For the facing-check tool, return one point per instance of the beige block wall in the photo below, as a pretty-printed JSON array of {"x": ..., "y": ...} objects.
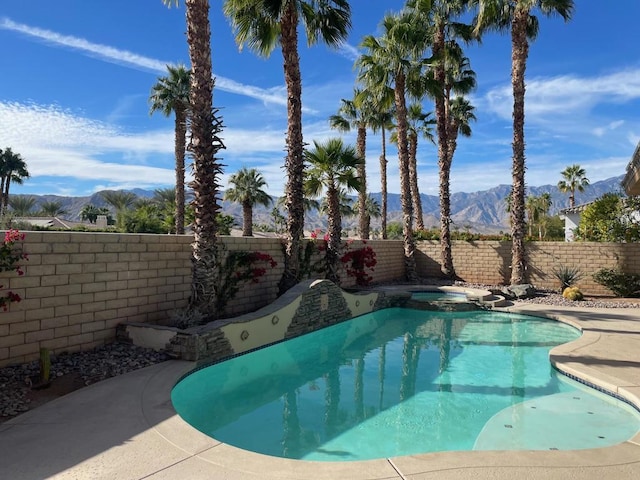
[
  {"x": 489, "y": 262},
  {"x": 79, "y": 285}
]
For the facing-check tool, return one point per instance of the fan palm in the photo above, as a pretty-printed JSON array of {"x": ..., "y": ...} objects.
[
  {"x": 171, "y": 95},
  {"x": 357, "y": 113},
  {"x": 573, "y": 178},
  {"x": 13, "y": 168},
  {"x": 22, "y": 205},
  {"x": 387, "y": 62},
  {"x": 418, "y": 122},
  {"x": 382, "y": 120},
  {"x": 52, "y": 209},
  {"x": 516, "y": 16},
  {"x": 447, "y": 74},
  {"x": 263, "y": 24},
  {"x": 204, "y": 146},
  {"x": 121, "y": 201},
  {"x": 248, "y": 191},
  {"x": 332, "y": 166}
]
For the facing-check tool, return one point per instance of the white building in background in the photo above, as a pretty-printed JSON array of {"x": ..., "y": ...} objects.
[{"x": 571, "y": 217}]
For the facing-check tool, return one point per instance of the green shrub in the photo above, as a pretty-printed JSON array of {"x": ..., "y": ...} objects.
[
  {"x": 620, "y": 283},
  {"x": 568, "y": 276},
  {"x": 573, "y": 294}
]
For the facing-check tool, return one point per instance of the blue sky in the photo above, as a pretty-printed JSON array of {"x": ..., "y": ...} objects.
[{"x": 76, "y": 77}]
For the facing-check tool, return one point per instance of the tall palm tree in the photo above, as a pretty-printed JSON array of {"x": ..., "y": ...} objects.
[
  {"x": 263, "y": 24},
  {"x": 22, "y": 205},
  {"x": 171, "y": 95},
  {"x": 52, "y": 209},
  {"x": 204, "y": 146},
  {"x": 332, "y": 166},
  {"x": 356, "y": 113},
  {"x": 382, "y": 121},
  {"x": 573, "y": 178},
  {"x": 248, "y": 191},
  {"x": 516, "y": 16},
  {"x": 387, "y": 62},
  {"x": 444, "y": 76},
  {"x": 418, "y": 122},
  {"x": 13, "y": 168}
]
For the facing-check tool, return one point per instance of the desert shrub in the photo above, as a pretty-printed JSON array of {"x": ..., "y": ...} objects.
[
  {"x": 620, "y": 283},
  {"x": 573, "y": 294},
  {"x": 567, "y": 276}
]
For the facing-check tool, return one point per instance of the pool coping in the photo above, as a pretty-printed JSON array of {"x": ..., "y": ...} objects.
[{"x": 164, "y": 446}]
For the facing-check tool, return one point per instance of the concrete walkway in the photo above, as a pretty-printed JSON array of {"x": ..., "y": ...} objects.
[{"x": 126, "y": 428}]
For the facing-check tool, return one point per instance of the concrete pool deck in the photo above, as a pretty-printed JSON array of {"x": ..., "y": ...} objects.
[{"x": 126, "y": 428}]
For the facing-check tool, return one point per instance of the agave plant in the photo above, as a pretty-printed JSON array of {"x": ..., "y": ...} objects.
[{"x": 568, "y": 276}]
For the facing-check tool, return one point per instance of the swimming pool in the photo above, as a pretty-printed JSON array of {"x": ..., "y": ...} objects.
[{"x": 400, "y": 382}]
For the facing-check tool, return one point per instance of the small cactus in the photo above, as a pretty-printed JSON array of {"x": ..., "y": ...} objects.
[
  {"x": 572, "y": 293},
  {"x": 45, "y": 365}
]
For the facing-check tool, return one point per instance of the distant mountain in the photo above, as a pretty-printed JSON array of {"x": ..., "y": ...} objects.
[{"x": 483, "y": 212}]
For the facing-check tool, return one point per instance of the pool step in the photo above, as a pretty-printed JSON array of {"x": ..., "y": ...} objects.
[{"x": 493, "y": 301}]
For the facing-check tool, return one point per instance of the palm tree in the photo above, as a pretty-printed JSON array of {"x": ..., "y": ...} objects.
[
  {"x": 248, "y": 191},
  {"x": 371, "y": 206},
  {"x": 121, "y": 201},
  {"x": 387, "y": 63},
  {"x": 444, "y": 76},
  {"x": 90, "y": 212},
  {"x": 537, "y": 208},
  {"x": 332, "y": 166},
  {"x": 22, "y": 205},
  {"x": 382, "y": 120},
  {"x": 13, "y": 168},
  {"x": 171, "y": 94},
  {"x": 204, "y": 146},
  {"x": 52, "y": 209},
  {"x": 417, "y": 122},
  {"x": 515, "y": 15},
  {"x": 573, "y": 178},
  {"x": 345, "y": 204},
  {"x": 263, "y": 24},
  {"x": 357, "y": 113}
]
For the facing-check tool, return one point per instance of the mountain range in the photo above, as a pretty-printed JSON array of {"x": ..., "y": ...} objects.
[{"x": 483, "y": 212}]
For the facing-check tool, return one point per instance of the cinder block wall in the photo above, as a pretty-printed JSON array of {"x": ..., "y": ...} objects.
[
  {"x": 78, "y": 286},
  {"x": 489, "y": 262}
]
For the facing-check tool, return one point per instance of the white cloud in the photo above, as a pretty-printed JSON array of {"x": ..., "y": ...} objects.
[
  {"x": 58, "y": 143},
  {"x": 567, "y": 95},
  {"x": 131, "y": 59}
]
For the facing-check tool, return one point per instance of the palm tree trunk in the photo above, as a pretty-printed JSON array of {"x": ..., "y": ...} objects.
[
  {"x": 361, "y": 146},
  {"x": 519, "y": 54},
  {"x": 335, "y": 232},
  {"x": 247, "y": 219},
  {"x": 204, "y": 146},
  {"x": 405, "y": 186},
  {"x": 294, "y": 161},
  {"x": 444, "y": 166},
  {"x": 412, "y": 140},
  {"x": 180, "y": 142},
  {"x": 383, "y": 187}
]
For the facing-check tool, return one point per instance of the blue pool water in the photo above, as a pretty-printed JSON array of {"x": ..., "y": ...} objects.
[{"x": 400, "y": 382}]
